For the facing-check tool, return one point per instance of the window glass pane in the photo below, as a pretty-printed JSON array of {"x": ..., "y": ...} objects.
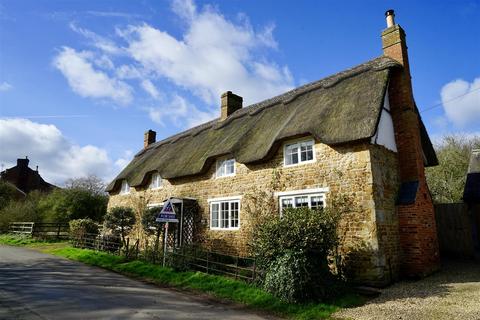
[
  {"x": 291, "y": 154},
  {"x": 215, "y": 215},
  {"x": 156, "y": 181},
  {"x": 316, "y": 202},
  {"x": 301, "y": 201},
  {"x": 225, "y": 167},
  {"x": 287, "y": 203},
  {"x": 234, "y": 214},
  {"x": 125, "y": 188},
  {"x": 224, "y": 215},
  {"x": 306, "y": 152},
  {"x": 230, "y": 166}
]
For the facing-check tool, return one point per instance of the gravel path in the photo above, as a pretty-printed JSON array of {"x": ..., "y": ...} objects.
[{"x": 453, "y": 293}]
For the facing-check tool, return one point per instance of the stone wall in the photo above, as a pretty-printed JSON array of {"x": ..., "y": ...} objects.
[{"x": 362, "y": 172}]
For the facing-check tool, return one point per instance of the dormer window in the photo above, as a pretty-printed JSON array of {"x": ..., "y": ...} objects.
[
  {"x": 299, "y": 152},
  {"x": 125, "y": 188},
  {"x": 156, "y": 181},
  {"x": 225, "y": 168}
]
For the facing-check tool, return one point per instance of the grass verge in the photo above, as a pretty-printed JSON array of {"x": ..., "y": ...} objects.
[{"x": 213, "y": 285}]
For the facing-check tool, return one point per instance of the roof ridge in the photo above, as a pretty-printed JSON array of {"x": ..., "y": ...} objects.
[{"x": 376, "y": 64}]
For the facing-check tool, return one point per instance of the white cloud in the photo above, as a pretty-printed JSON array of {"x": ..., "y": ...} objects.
[
  {"x": 88, "y": 82},
  {"x": 102, "y": 43},
  {"x": 179, "y": 112},
  {"x": 148, "y": 86},
  {"x": 461, "y": 102},
  {"x": 124, "y": 160},
  {"x": 45, "y": 145},
  {"x": 5, "y": 86},
  {"x": 213, "y": 56}
]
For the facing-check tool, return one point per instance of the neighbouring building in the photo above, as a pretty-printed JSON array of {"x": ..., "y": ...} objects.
[
  {"x": 471, "y": 196},
  {"x": 25, "y": 179},
  {"x": 356, "y": 133}
]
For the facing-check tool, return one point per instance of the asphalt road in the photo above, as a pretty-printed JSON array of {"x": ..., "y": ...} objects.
[{"x": 39, "y": 286}]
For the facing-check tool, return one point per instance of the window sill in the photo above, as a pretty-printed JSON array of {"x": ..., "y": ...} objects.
[
  {"x": 298, "y": 164},
  {"x": 225, "y": 176},
  {"x": 224, "y": 229}
]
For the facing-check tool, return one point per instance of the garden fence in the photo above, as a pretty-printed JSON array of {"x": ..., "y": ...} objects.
[{"x": 185, "y": 258}]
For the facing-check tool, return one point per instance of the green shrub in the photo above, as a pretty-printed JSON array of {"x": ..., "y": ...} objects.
[
  {"x": 63, "y": 205},
  {"x": 7, "y": 193},
  {"x": 293, "y": 250},
  {"x": 120, "y": 220},
  {"x": 81, "y": 227},
  {"x": 25, "y": 210}
]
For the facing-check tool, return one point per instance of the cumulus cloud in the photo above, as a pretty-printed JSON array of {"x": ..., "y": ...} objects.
[
  {"x": 45, "y": 145},
  {"x": 5, "y": 86},
  {"x": 86, "y": 81},
  {"x": 123, "y": 161},
  {"x": 179, "y": 112},
  {"x": 461, "y": 102},
  {"x": 213, "y": 55}
]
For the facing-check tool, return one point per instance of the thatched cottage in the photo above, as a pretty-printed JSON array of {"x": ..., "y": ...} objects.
[{"x": 357, "y": 133}]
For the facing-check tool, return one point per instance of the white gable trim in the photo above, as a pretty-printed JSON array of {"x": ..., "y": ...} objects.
[{"x": 385, "y": 135}]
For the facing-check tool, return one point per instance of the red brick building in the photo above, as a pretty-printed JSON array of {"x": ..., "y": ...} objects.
[{"x": 25, "y": 179}]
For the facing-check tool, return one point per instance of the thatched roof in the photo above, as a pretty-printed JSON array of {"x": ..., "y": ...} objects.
[{"x": 341, "y": 108}]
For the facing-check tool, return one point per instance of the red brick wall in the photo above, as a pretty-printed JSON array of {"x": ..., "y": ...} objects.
[{"x": 417, "y": 229}]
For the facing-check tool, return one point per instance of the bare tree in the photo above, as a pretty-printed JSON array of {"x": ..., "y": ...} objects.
[{"x": 91, "y": 183}]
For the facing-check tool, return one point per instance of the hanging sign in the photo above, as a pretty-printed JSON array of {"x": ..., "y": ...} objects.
[{"x": 167, "y": 214}]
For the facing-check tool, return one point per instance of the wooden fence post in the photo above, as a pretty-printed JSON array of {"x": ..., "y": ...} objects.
[
  {"x": 208, "y": 253},
  {"x": 236, "y": 267}
]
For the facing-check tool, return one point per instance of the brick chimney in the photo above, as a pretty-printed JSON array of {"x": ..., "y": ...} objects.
[
  {"x": 149, "y": 137},
  {"x": 230, "y": 103},
  {"x": 417, "y": 229},
  {"x": 23, "y": 163}
]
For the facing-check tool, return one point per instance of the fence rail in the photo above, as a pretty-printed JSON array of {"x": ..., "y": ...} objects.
[
  {"x": 191, "y": 257},
  {"x": 41, "y": 230},
  {"x": 21, "y": 227}
]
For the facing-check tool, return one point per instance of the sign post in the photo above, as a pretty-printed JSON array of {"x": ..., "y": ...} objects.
[{"x": 167, "y": 214}]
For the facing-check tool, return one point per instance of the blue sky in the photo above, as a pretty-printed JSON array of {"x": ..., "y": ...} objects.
[{"x": 80, "y": 81}]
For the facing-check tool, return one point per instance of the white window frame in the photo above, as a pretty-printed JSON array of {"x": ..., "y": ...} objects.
[
  {"x": 125, "y": 187},
  {"x": 219, "y": 201},
  {"x": 223, "y": 163},
  {"x": 156, "y": 181},
  {"x": 309, "y": 193},
  {"x": 298, "y": 145}
]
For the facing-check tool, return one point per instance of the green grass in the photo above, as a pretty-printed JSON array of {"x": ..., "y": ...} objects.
[
  {"x": 216, "y": 286},
  {"x": 28, "y": 241}
]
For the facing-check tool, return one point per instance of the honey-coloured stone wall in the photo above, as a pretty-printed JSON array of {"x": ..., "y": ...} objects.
[{"x": 362, "y": 172}]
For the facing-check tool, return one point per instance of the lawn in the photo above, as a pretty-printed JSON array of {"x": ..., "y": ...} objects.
[{"x": 216, "y": 286}]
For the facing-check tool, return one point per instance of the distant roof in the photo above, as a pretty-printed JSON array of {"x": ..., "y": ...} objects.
[
  {"x": 24, "y": 178},
  {"x": 471, "y": 193},
  {"x": 341, "y": 108}
]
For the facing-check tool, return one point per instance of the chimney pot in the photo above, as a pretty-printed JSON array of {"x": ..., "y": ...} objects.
[
  {"x": 149, "y": 137},
  {"x": 390, "y": 15},
  {"x": 230, "y": 103}
]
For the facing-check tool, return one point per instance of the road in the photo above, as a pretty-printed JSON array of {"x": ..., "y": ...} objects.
[{"x": 39, "y": 286}]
